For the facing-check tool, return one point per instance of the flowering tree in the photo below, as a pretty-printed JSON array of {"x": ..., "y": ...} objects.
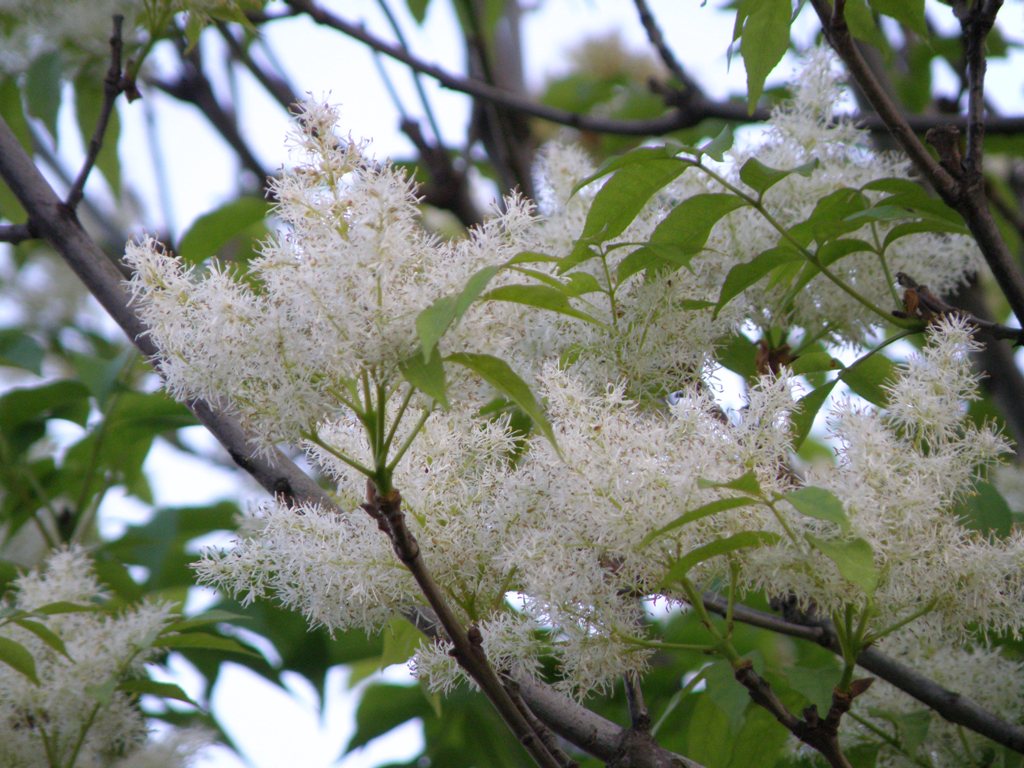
[{"x": 527, "y": 478}]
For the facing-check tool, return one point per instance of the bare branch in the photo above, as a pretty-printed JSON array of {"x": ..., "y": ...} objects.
[
  {"x": 272, "y": 83},
  {"x": 113, "y": 85},
  {"x": 16, "y": 233},
  {"x": 192, "y": 86},
  {"x": 921, "y": 302},
  {"x": 599, "y": 737},
  {"x": 976, "y": 23},
  {"x": 52, "y": 219},
  {"x": 668, "y": 58}
]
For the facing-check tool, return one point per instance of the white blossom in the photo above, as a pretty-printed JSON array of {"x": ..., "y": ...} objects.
[{"x": 63, "y": 715}]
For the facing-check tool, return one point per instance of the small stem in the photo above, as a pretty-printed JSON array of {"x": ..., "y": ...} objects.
[
  {"x": 314, "y": 438},
  {"x": 408, "y": 440}
]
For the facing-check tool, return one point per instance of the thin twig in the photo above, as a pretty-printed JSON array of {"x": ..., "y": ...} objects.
[
  {"x": 113, "y": 85},
  {"x": 968, "y": 200},
  {"x": 272, "y": 83},
  {"x": 192, "y": 86},
  {"x": 685, "y": 115},
  {"x": 16, "y": 233},
  {"x": 921, "y": 302},
  {"x": 952, "y": 706},
  {"x": 668, "y": 58},
  {"x": 976, "y": 23},
  {"x": 468, "y": 650}
]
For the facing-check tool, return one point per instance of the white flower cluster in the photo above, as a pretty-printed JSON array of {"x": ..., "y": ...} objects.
[
  {"x": 67, "y": 719},
  {"x": 899, "y": 475},
  {"x": 554, "y": 552}
]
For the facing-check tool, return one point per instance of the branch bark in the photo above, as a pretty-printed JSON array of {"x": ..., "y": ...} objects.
[
  {"x": 950, "y": 705},
  {"x": 968, "y": 199}
]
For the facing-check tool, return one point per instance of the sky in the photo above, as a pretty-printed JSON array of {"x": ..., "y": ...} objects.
[{"x": 282, "y": 728}]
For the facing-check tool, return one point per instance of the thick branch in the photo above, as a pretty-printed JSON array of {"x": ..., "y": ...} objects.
[
  {"x": 599, "y": 737},
  {"x": 52, "y": 220}
]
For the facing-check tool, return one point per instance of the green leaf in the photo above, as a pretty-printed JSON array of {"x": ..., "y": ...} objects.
[
  {"x": 101, "y": 374},
  {"x": 11, "y": 111},
  {"x": 739, "y": 355},
  {"x": 819, "y": 503},
  {"x": 689, "y": 224},
  {"x": 760, "y": 177},
  {"x": 833, "y": 215},
  {"x": 213, "y": 616},
  {"x": 401, "y": 639},
  {"x": 908, "y": 12},
  {"x": 144, "y": 686},
  {"x": 618, "y": 202},
  {"x": 16, "y": 656},
  {"x": 540, "y": 296},
  {"x": 720, "y": 546},
  {"x": 500, "y": 375},
  {"x": 802, "y": 419},
  {"x": 636, "y": 156},
  {"x": 853, "y": 557},
  {"x": 814, "y": 362},
  {"x": 25, "y": 411},
  {"x": 19, "y": 350},
  {"x": 427, "y": 376},
  {"x": 765, "y": 41},
  {"x": 62, "y": 607},
  {"x": 744, "y": 275},
  {"x": 866, "y": 377},
  {"x": 912, "y": 196},
  {"x": 43, "y": 87},
  {"x": 986, "y": 511},
  {"x": 203, "y": 640},
  {"x": 928, "y": 225},
  {"x": 696, "y": 514},
  {"x": 384, "y": 707},
  {"x": 718, "y": 146},
  {"x": 418, "y": 9},
  {"x": 863, "y": 26},
  {"x": 434, "y": 321},
  {"x": 44, "y": 633},
  {"x": 746, "y": 483},
  {"x": 213, "y": 230}
]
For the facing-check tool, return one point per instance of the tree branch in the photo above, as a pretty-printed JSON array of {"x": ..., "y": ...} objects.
[
  {"x": 968, "y": 200},
  {"x": 668, "y": 58},
  {"x": 113, "y": 85},
  {"x": 976, "y": 23},
  {"x": 468, "y": 649},
  {"x": 53, "y": 220},
  {"x": 952, "y": 706},
  {"x": 193, "y": 87}
]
